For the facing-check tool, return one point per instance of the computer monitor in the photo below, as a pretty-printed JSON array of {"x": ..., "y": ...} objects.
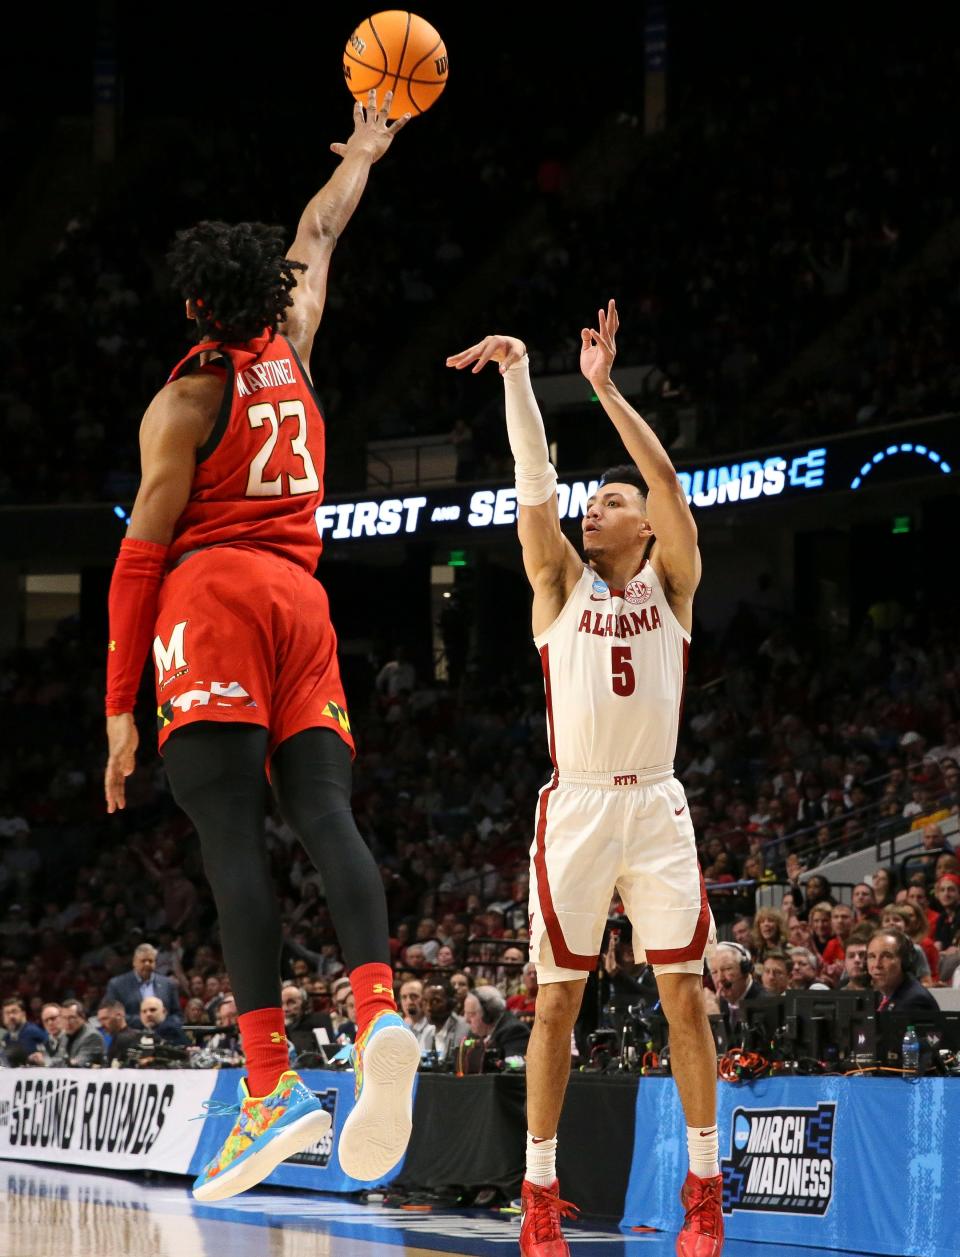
[
  {"x": 935, "y": 1030},
  {"x": 831, "y": 1027},
  {"x": 761, "y": 1026}
]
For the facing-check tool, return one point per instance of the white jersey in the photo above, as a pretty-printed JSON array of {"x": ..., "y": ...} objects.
[{"x": 614, "y": 663}]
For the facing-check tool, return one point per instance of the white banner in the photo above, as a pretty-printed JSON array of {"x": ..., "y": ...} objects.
[{"x": 117, "y": 1119}]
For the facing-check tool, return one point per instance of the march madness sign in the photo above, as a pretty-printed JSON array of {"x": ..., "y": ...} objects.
[{"x": 781, "y": 1161}]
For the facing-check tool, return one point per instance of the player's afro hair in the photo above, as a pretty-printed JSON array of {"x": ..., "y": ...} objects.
[
  {"x": 624, "y": 473},
  {"x": 236, "y": 275}
]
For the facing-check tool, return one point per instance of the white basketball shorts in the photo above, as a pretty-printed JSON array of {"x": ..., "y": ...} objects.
[{"x": 601, "y": 832}]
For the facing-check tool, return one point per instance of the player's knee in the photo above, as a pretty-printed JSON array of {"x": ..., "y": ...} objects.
[
  {"x": 681, "y": 997},
  {"x": 558, "y": 1004}
]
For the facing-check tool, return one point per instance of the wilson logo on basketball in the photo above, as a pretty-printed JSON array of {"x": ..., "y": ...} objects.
[{"x": 637, "y": 592}]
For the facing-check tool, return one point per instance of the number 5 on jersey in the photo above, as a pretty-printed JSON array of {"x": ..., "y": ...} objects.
[
  {"x": 309, "y": 482},
  {"x": 623, "y": 677}
]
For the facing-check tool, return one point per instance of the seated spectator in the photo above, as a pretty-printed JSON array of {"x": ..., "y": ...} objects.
[
  {"x": 742, "y": 932},
  {"x": 731, "y": 968},
  {"x": 461, "y": 984},
  {"x": 300, "y": 1023},
  {"x": 915, "y": 927},
  {"x": 841, "y": 923},
  {"x": 805, "y": 970},
  {"x": 917, "y": 895},
  {"x": 142, "y": 982},
  {"x": 821, "y": 932},
  {"x": 411, "y": 1005},
  {"x": 19, "y": 1038},
  {"x": 816, "y": 890},
  {"x": 890, "y": 965},
  {"x": 119, "y": 1036},
  {"x": 449, "y": 1028},
  {"x": 489, "y": 1019},
  {"x": 524, "y": 1003},
  {"x": 155, "y": 1019},
  {"x": 855, "y": 976},
  {"x": 51, "y": 1019},
  {"x": 347, "y": 1031},
  {"x": 227, "y": 1038},
  {"x": 775, "y": 974},
  {"x": 338, "y": 993},
  {"x": 446, "y": 958},
  {"x": 884, "y": 886},
  {"x": 769, "y": 932},
  {"x": 799, "y": 933},
  {"x": 948, "y": 899},
  {"x": 194, "y": 1013},
  {"x": 898, "y": 916},
  {"x": 624, "y": 979},
  {"x": 79, "y": 1045},
  {"x": 510, "y": 974},
  {"x": 864, "y": 903},
  {"x": 415, "y": 958}
]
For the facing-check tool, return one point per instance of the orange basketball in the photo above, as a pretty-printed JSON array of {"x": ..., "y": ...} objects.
[{"x": 399, "y": 52}]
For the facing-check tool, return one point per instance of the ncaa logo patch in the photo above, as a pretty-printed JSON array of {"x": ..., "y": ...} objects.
[
  {"x": 781, "y": 1161},
  {"x": 600, "y": 590},
  {"x": 637, "y": 592}
]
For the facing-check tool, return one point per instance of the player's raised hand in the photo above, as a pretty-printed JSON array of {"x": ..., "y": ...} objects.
[
  {"x": 598, "y": 346},
  {"x": 122, "y": 742},
  {"x": 506, "y": 350},
  {"x": 372, "y": 133}
]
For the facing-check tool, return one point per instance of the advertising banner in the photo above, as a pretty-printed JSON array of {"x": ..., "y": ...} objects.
[
  {"x": 115, "y": 1119},
  {"x": 869, "y": 1164}
]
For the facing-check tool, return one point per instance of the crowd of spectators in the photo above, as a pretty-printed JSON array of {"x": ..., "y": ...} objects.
[
  {"x": 737, "y": 250},
  {"x": 790, "y": 753}
]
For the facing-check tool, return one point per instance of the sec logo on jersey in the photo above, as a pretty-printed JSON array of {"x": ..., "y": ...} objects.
[{"x": 637, "y": 592}]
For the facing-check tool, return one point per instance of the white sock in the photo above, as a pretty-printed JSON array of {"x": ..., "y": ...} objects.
[
  {"x": 703, "y": 1149},
  {"x": 541, "y": 1160}
]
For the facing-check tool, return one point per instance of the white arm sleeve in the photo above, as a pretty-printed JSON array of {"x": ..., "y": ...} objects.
[{"x": 536, "y": 475}]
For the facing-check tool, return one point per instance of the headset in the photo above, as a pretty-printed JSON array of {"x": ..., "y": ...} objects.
[{"x": 746, "y": 960}]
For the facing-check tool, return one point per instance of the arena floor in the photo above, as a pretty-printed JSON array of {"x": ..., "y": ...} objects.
[{"x": 51, "y": 1212}]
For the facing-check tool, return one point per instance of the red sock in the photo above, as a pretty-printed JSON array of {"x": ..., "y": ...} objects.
[
  {"x": 265, "y": 1047},
  {"x": 372, "y": 993}
]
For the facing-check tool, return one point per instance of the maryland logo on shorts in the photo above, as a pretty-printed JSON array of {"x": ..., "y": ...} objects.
[{"x": 339, "y": 714}]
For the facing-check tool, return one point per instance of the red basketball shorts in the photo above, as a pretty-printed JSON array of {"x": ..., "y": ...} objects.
[{"x": 243, "y": 637}]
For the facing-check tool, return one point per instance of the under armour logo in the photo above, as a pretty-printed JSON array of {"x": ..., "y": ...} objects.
[
  {"x": 277, "y": 1037},
  {"x": 380, "y": 989},
  {"x": 112, "y": 646}
]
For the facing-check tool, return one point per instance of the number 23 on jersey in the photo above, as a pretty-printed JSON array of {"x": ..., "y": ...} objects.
[{"x": 293, "y": 477}]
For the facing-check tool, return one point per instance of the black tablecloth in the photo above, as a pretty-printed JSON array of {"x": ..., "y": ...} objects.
[{"x": 471, "y": 1133}]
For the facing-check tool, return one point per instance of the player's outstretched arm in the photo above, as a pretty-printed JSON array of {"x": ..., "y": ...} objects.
[
  {"x": 551, "y": 562},
  {"x": 176, "y": 424},
  {"x": 328, "y": 213},
  {"x": 667, "y": 507}
]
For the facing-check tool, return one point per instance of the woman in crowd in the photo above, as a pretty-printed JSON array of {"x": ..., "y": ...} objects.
[
  {"x": 884, "y": 882},
  {"x": 769, "y": 933},
  {"x": 462, "y": 984},
  {"x": 821, "y": 931},
  {"x": 900, "y": 917},
  {"x": 918, "y": 931}
]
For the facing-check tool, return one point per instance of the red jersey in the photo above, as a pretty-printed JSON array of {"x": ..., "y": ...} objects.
[{"x": 259, "y": 477}]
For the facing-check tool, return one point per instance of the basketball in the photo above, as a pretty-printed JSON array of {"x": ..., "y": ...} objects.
[{"x": 399, "y": 52}]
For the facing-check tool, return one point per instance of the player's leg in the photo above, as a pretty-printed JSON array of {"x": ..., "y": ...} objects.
[
  {"x": 665, "y": 899},
  {"x": 572, "y": 873},
  {"x": 217, "y": 777},
  {"x": 312, "y": 776}
]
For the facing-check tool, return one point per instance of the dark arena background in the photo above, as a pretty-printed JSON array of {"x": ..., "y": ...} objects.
[{"x": 770, "y": 194}]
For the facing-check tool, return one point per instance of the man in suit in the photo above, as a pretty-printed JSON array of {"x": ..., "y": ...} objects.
[
  {"x": 79, "y": 1044},
  {"x": 731, "y": 968},
  {"x": 143, "y": 982},
  {"x": 488, "y": 1017},
  {"x": 299, "y": 1023},
  {"x": 891, "y": 958}
]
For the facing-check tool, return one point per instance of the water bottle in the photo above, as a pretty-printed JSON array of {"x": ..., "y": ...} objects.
[{"x": 911, "y": 1053}]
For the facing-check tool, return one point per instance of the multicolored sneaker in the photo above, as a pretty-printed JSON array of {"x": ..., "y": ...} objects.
[
  {"x": 702, "y": 1231},
  {"x": 375, "y": 1135},
  {"x": 266, "y": 1132},
  {"x": 541, "y": 1210}
]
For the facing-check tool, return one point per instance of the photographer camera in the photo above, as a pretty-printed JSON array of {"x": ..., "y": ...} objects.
[{"x": 161, "y": 1041}]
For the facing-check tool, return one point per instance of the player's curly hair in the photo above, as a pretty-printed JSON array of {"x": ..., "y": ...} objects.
[{"x": 236, "y": 276}]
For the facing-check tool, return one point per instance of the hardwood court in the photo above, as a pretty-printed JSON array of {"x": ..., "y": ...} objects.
[{"x": 46, "y": 1211}]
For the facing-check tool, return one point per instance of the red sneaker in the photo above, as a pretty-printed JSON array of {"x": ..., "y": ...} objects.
[
  {"x": 541, "y": 1211},
  {"x": 702, "y": 1231}
]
